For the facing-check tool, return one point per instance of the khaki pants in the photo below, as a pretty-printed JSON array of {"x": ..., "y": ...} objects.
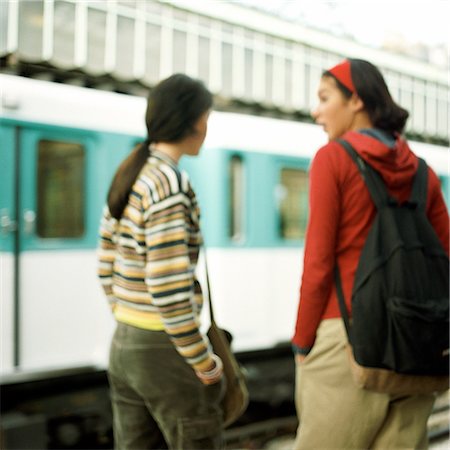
[
  {"x": 334, "y": 413},
  {"x": 158, "y": 402}
]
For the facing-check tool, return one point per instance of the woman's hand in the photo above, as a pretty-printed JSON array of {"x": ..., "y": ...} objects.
[{"x": 299, "y": 358}]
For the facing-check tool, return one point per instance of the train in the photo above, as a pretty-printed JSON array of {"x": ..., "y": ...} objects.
[{"x": 60, "y": 146}]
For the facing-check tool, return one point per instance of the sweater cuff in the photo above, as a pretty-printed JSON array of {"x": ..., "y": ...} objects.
[
  {"x": 213, "y": 375},
  {"x": 300, "y": 350}
]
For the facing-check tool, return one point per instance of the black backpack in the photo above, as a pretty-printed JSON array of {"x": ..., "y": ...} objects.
[{"x": 400, "y": 297}]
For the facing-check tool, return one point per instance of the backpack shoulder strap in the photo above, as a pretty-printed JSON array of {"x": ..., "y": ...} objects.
[
  {"x": 420, "y": 185},
  {"x": 341, "y": 300},
  {"x": 371, "y": 177}
]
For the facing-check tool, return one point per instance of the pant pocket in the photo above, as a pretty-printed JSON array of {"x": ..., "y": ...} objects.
[{"x": 201, "y": 432}]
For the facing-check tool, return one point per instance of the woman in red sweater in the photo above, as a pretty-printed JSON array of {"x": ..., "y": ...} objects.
[{"x": 355, "y": 104}]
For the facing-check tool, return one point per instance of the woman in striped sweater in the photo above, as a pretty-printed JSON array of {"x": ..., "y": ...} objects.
[{"x": 166, "y": 383}]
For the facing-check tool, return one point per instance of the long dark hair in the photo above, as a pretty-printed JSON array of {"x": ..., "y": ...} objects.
[
  {"x": 372, "y": 89},
  {"x": 174, "y": 106}
]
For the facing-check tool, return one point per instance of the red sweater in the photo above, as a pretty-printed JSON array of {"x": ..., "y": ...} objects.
[{"x": 340, "y": 217}]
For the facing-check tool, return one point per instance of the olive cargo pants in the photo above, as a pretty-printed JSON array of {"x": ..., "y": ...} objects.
[{"x": 157, "y": 400}]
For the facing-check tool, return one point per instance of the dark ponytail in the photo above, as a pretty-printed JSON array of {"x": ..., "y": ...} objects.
[
  {"x": 125, "y": 177},
  {"x": 173, "y": 108},
  {"x": 372, "y": 89}
]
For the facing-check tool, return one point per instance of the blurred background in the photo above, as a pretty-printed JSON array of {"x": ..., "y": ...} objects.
[{"x": 74, "y": 75}]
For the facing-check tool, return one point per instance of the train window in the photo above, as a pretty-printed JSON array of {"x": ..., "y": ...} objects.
[
  {"x": 60, "y": 189},
  {"x": 293, "y": 203},
  {"x": 236, "y": 196}
]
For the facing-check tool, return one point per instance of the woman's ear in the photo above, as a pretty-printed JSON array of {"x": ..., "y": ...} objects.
[{"x": 356, "y": 103}]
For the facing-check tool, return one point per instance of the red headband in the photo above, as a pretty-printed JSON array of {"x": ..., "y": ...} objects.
[{"x": 343, "y": 74}]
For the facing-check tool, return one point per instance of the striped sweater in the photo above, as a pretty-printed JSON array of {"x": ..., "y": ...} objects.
[{"x": 147, "y": 259}]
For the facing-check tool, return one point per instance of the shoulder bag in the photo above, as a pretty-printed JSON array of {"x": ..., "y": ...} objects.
[{"x": 235, "y": 400}]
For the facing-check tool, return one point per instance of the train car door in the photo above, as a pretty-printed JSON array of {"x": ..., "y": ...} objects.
[
  {"x": 8, "y": 242},
  {"x": 58, "y": 314}
]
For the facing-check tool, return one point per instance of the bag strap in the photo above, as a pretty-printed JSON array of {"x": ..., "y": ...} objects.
[
  {"x": 371, "y": 177},
  {"x": 380, "y": 197},
  {"x": 419, "y": 191},
  {"x": 208, "y": 286},
  {"x": 341, "y": 300}
]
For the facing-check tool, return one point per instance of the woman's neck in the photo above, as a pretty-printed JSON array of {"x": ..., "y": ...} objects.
[
  {"x": 172, "y": 150},
  {"x": 361, "y": 120}
]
